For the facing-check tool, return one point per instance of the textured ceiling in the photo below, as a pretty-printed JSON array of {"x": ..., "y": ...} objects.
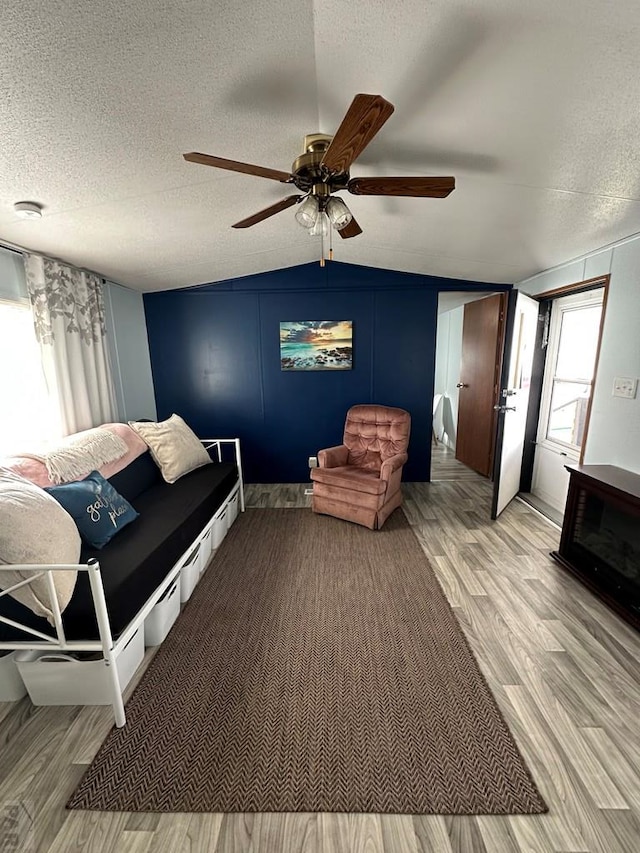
[{"x": 533, "y": 108}]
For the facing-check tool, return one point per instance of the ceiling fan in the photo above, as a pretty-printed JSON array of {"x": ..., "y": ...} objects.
[{"x": 323, "y": 169}]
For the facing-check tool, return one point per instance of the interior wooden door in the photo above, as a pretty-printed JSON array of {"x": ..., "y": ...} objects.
[{"x": 482, "y": 340}]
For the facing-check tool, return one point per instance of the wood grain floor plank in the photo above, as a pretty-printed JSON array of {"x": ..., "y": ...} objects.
[
  {"x": 235, "y": 833},
  {"x": 350, "y": 833},
  {"x": 204, "y": 831},
  {"x": 581, "y": 827},
  {"x": 171, "y": 834},
  {"x": 602, "y": 789},
  {"x": 617, "y": 686},
  {"x": 142, "y": 821},
  {"x": 616, "y": 764},
  {"x": 297, "y": 833},
  {"x": 91, "y": 832},
  {"x": 624, "y": 827},
  {"x": 465, "y": 567},
  {"x": 85, "y": 735},
  {"x": 35, "y": 751},
  {"x": 464, "y": 834},
  {"x": 482, "y": 621},
  {"x": 334, "y": 832},
  {"x": 536, "y": 837},
  {"x": 47, "y": 805},
  {"x": 498, "y": 835},
  {"x": 135, "y": 841},
  {"x": 398, "y": 834},
  {"x": 431, "y": 834},
  {"x": 566, "y": 684}
]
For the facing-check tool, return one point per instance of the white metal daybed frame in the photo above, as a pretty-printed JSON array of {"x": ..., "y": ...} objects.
[{"x": 110, "y": 649}]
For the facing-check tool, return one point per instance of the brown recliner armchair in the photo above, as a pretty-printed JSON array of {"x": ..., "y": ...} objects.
[{"x": 359, "y": 480}]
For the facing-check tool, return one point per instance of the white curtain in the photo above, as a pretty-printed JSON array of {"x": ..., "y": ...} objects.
[{"x": 69, "y": 319}]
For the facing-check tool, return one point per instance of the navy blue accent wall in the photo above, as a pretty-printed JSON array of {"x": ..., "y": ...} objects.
[{"x": 215, "y": 357}]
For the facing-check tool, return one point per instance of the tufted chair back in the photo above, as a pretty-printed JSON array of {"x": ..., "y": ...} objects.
[{"x": 375, "y": 433}]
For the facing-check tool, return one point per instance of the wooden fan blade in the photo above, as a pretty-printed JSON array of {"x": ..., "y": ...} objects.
[
  {"x": 363, "y": 120},
  {"x": 235, "y": 166},
  {"x": 420, "y": 187},
  {"x": 350, "y": 230},
  {"x": 289, "y": 201}
]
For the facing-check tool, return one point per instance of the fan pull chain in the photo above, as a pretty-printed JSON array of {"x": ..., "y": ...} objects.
[
  {"x": 330, "y": 242},
  {"x": 321, "y": 247}
]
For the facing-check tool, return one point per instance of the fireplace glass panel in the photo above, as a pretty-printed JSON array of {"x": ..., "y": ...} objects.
[{"x": 606, "y": 545}]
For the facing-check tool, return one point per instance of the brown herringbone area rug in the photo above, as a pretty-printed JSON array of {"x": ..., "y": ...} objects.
[{"x": 317, "y": 667}]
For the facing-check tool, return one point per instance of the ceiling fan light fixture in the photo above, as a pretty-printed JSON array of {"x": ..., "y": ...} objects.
[
  {"x": 320, "y": 227},
  {"x": 338, "y": 212},
  {"x": 307, "y": 212}
]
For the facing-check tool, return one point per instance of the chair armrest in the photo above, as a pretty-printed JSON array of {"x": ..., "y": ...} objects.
[
  {"x": 392, "y": 464},
  {"x": 332, "y": 457}
]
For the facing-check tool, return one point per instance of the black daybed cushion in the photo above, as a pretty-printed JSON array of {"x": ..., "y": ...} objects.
[
  {"x": 138, "y": 476},
  {"x": 137, "y": 560}
]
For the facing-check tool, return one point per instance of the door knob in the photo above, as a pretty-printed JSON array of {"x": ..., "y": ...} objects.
[
  {"x": 499, "y": 408},
  {"x": 462, "y": 385}
]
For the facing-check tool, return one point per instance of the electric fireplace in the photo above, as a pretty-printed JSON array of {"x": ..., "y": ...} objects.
[{"x": 600, "y": 540}]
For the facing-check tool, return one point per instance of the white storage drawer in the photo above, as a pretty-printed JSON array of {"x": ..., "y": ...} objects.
[
  {"x": 219, "y": 527},
  {"x": 190, "y": 572},
  {"x": 11, "y": 684},
  {"x": 159, "y": 622},
  {"x": 56, "y": 678},
  {"x": 232, "y": 509},
  {"x": 205, "y": 547}
]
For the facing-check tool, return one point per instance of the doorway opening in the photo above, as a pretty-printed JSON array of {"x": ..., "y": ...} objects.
[
  {"x": 565, "y": 365},
  {"x": 468, "y": 348}
]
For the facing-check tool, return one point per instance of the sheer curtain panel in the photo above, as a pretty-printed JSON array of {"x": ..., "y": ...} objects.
[{"x": 69, "y": 319}]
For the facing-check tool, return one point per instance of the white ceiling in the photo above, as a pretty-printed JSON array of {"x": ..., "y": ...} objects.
[{"x": 532, "y": 107}]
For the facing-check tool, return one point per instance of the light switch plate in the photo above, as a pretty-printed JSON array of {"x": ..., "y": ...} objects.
[
  {"x": 624, "y": 386},
  {"x": 313, "y": 462}
]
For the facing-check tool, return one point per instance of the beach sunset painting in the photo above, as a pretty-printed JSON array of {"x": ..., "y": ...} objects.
[{"x": 316, "y": 345}]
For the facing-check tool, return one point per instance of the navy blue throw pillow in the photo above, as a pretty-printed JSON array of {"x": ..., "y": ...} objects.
[{"x": 97, "y": 509}]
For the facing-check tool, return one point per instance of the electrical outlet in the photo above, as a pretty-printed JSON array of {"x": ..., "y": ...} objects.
[
  {"x": 623, "y": 386},
  {"x": 313, "y": 462}
]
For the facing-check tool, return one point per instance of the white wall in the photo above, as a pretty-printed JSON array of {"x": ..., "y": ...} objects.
[
  {"x": 614, "y": 429},
  {"x": 129, "y": 350},
  {"x": 447, "y": 374}
]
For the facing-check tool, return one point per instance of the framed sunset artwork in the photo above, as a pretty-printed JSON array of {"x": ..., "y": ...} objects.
[{"x": 316, "y": 345}]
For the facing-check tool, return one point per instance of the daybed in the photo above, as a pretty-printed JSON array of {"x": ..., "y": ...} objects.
[{"x": 118, "y": 585}]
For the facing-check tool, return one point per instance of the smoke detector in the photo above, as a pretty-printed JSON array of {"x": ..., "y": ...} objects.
[{"x": 28, "y": 209}]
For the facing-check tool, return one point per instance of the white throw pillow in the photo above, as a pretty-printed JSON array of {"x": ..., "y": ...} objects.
[
  {"x": 35, "y": 529},
  {"x": 175, "y": 448}
]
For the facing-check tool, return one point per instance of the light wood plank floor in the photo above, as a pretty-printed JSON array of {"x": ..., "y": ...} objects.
[
  {"x": 562, "y": 667},
  {"x": 445, "y": 466}
]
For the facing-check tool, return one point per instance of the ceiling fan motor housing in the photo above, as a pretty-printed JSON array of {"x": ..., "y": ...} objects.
[{"x": 306, "y": 172}]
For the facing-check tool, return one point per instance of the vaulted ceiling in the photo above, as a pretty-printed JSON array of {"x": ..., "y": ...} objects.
[{"x": 532, "y": 107}]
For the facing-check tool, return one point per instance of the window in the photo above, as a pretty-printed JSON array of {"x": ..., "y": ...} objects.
[
  {"x": 28, "y": 416},
  {"x": 571, "y": 358}
]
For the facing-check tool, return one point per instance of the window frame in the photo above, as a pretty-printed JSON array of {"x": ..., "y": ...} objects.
[{"x": 559, "y": 307}]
